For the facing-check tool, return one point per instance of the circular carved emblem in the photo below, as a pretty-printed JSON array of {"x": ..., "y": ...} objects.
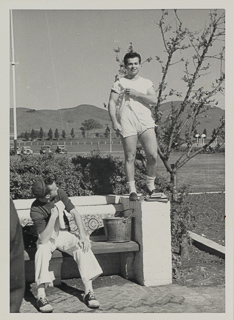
[{"x": 93, "y": 224}]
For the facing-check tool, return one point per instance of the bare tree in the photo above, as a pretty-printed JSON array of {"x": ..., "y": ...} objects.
[
  {"x": 196, "y": 99},
  {"x": 179, "y": 126}
]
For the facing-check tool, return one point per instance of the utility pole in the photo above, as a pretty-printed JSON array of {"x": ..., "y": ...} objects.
[
  {"x": 110, "y": 143},
  {"x": 13, "y": 63}
]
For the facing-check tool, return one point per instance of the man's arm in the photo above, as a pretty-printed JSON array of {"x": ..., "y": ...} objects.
[
  {"x": 149, "y": 98},
  {"x": 46, "y": 234},
  {"x": 112, "y": 110},
  {"x": 84, "y": 241}
]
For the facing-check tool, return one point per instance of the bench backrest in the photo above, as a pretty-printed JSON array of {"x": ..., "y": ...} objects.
[{"x": 92, "y": 209}]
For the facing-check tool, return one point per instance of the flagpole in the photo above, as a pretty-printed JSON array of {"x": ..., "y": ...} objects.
[
  {"x": 13, "y": 84},
  {"x": 110, "y": 143}
]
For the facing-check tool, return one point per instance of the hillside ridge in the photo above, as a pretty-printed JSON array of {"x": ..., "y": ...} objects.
[{"x": 68, "y": 118}]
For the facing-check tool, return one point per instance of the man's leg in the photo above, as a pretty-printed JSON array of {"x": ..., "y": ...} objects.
[
  {"x": 149, "y": 144},
  {"x": 88, "y": 265},
  {"x": 89, "y": 270},
  {"x": 129, "y": 146},
  {"x": 43, "y": 277}
]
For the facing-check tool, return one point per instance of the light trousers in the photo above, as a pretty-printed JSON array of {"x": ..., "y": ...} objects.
[{"x": 88, "y": 265}]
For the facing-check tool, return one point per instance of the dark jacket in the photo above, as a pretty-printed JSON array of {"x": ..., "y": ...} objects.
[{"x": 17, "y": 277}]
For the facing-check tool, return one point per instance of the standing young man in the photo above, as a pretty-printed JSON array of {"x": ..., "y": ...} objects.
[
  {"x": 129, "y": 107},
  {"x": 52, "y": 229}
]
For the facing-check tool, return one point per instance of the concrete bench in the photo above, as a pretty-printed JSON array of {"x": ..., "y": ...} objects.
[
  {"x": 146, "y": 259},
  {"x": 114, "y": 258}
]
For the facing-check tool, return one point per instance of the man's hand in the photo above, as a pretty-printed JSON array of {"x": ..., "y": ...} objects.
[
  {"x": 46, "y": 234},
  {"x": 117, "y": 126},
  {"x": 84, "y": 244},
  {"x": 149, "y": 98},
  {"x": 54, "y": 212},
  {"x": 132, "y": 93}
]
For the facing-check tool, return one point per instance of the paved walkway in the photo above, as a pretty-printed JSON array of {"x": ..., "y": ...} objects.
[{"x": 120, "y": 295}]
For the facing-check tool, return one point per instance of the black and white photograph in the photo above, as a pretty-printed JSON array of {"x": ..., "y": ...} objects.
[{"x": 117, "y": 134}]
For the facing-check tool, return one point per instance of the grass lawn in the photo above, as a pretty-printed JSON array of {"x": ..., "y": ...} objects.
[
  {"x": 203, "y": 268},
  {"x": 203, "y": 173},
  {"x": 209, "y": 216}
]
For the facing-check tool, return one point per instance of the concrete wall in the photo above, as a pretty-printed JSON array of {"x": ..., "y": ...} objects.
[{"x": 152, "y": 230}]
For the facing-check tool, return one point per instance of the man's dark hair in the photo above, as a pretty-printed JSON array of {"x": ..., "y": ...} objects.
[
  {"x": 49, "y": 180},
  {"x": 40, "y": 186},
  {"x": 131, "y": 55}
]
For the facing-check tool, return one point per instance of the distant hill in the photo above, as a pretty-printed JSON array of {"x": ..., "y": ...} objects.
[{"x": 28, "y": 119}]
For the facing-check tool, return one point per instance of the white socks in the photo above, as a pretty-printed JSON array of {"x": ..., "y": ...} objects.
[
  {"x": 150, "y": 183},
  {"x": 131, "y": 186},
  {"x": 41, "y": 292},
  {"x": 88, "y": 286}
]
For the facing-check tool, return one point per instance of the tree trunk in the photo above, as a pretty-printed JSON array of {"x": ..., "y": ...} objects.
[
  {"x": 174, "y": 183},
  {"x": 184, "y": 251}
]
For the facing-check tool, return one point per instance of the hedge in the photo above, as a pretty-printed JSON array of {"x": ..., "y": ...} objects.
[
  {"x": 77, "y": 176},
  {"x": 95, "y": 175}
]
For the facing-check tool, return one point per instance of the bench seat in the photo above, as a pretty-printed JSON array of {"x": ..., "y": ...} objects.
[
  {"x": 109, "y": 247},
  {"x": 114, "y": 258},
  {"x": 99, "y": 247}
]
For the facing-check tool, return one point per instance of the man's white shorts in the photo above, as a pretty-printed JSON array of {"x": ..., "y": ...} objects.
[{"x": 131, "y": 125}]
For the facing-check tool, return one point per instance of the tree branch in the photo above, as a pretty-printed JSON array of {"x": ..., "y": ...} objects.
[{"x": 202, "y": 148}]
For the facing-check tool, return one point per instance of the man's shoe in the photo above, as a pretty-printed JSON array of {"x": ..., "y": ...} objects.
[
  {"x": 150, "y": 193},
  {"x": 44, "y": 306},
  {"x": 133, "y": 196},
  {"x": 155, "y": 196},
  {"x": 91, "y": 301}
]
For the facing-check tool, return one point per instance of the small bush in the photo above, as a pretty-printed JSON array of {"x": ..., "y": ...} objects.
[
  {"x": 95, "y": 175},
  {"x": 182, "y": 219},
  {"x": 101, "y": 175}
]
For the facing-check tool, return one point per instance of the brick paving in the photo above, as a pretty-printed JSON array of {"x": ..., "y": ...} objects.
[{"x": 120, "y": 295}]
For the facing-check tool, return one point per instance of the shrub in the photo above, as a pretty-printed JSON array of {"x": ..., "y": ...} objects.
[
  {"x": 96, "y": 175},
  {"x": 182, "y": 219},
  {"x": 101, "y": 175},
  {"x": 25, "y": 170}
]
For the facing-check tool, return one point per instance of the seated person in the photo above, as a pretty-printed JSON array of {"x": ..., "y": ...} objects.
[{"x": 46, "y": 213}]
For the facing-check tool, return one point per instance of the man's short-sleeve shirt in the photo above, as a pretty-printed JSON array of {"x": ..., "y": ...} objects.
[
  {"x": 40, "y": 211},
  {"x": 125, "y": 103}
]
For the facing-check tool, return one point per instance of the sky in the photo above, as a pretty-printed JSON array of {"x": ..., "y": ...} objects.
[{"x": 66, "y": 57}]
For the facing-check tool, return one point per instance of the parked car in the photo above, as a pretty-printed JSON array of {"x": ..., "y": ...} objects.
[
  {"x": 26, "y": 151},
  {"x": 61, "y": 149},
  {"x": 12, "y": 151},
  {"x": 46, "y": 150}
]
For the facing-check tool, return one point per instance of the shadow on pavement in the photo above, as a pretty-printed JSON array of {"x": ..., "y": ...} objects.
[
  {"x": 72, "y": 291},
  {"x": 29, "y": 296},
  {"x": 30, "y": 292}
]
